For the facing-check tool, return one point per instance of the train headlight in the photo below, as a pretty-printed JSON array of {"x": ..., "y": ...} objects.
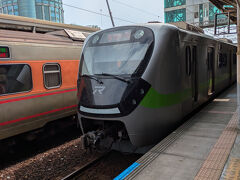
[
  {"x": 134, "y": 95},
  {"x": 138, "y": 34}
]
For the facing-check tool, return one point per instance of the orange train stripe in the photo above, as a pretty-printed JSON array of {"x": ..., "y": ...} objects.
[{"x": 36, "y": 115}]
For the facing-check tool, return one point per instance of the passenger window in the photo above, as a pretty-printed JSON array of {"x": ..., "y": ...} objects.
[
  {"x": 15, "y": 78},
  {"x": 209, "y": 60},
  {"x": 234, "y": 58},
  {"x": 52, "y": 76},
  {"x": 188, "y": 60},
  {"x": 222, "y": 60}
]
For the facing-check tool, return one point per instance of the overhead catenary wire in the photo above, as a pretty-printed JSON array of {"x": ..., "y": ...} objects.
[
  {"x": 136, "y": 8},
  {"x": 97, "y": 13}
]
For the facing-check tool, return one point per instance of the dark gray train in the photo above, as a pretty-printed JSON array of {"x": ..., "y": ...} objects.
[{"x": 135, "y": 82}]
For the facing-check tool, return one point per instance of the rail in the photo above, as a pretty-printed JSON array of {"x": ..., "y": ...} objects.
[{"x": 85, "y": 167}]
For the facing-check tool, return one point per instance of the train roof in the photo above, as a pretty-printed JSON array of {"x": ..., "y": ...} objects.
[
  {"x": 194, "y": 32},
  {"x": 57, "y": 38},
  {"x": 20, "y": 23},
  {"x": 187, "y": 26}
]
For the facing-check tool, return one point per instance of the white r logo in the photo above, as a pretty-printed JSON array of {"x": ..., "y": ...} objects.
[{"x": 98, "y": 89}]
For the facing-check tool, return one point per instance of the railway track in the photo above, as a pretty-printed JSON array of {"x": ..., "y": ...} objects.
[
  {"x": 105, "y": 166},
  {"x": 79, "y": 170},
  {"x": 19, "y": 148}
]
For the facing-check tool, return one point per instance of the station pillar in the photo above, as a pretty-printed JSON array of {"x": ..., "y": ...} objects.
[{"x": 238, "y": 62}]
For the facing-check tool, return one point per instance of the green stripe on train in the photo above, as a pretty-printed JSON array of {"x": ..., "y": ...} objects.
[{"x": 153, "y": 99}]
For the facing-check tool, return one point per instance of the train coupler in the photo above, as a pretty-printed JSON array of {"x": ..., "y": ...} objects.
[{"x": 96, "y": 140}]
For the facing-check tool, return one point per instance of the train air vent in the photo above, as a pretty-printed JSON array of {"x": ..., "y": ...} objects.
[
  {"x": 76, "y": 35},
  {"x": 52, "y": 75}
]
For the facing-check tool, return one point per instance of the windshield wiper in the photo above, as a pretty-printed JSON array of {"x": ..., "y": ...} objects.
[
  {"x": 93, "y": 77},
  {"x": 116, "y": 77}
]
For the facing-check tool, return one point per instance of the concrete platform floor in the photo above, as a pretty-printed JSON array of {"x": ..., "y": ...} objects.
[{"x": 199, "y": 149}]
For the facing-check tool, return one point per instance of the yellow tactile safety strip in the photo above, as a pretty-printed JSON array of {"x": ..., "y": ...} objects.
[
  {"x": 233, "y": 170},
  {"x": 213, "y": 166}
]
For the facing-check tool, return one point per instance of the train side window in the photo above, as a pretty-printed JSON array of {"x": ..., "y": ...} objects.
[
  {"x": 188, "y": 60},
  {"x": 52, "y": 75},
  {"x": 15, "y": 78},
  {"x": 226, "y": 58},
  {"x": 234, "y": 58},
  {"x": 222, "y": 60},
  {"x": 208, "y": 60}
]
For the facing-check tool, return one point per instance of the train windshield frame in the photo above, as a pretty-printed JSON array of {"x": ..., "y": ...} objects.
[{"x": 118, "y": 51}]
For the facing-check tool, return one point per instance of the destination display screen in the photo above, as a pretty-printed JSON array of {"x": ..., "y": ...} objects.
[{"x": 116, "y": 36}]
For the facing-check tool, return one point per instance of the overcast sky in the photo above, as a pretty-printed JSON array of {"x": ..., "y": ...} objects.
[{"x": 132, "y": 11}]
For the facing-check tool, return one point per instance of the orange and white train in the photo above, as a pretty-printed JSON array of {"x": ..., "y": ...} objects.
[{"x": 38, "y": 76}]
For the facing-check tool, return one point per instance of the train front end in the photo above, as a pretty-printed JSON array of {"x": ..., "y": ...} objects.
[{"x": 110, "y": 87}]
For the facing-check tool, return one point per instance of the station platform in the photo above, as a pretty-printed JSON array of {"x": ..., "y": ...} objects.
[{"x": 206, "y": 147}]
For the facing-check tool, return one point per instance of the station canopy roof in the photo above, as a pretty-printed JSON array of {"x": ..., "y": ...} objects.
[{"x": 227, "y": 6}]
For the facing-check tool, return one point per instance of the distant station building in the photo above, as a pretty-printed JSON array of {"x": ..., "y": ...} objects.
[
  {"x": 197, "y": 12},
  {"x": 50, "y": 10}
]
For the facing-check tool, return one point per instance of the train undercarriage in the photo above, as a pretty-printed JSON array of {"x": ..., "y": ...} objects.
[{"x": 107, "y": 135}]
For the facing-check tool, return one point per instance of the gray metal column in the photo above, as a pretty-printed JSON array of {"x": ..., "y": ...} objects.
[
  {"x": 27, "y": 8},
  {"x": 238, "y": 62},
  {"x": 110, "y": 13}
]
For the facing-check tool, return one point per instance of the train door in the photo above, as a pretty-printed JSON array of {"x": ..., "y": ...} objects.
[
  {"x": 234, "y": 63},
  {"x": 230, "y": 66},
  {"x": 210, "y": 70},
  {"x": 194, "y": 75}
]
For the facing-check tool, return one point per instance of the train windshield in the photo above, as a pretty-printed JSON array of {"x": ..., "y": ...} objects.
[{"x": 116, "y": 52}]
